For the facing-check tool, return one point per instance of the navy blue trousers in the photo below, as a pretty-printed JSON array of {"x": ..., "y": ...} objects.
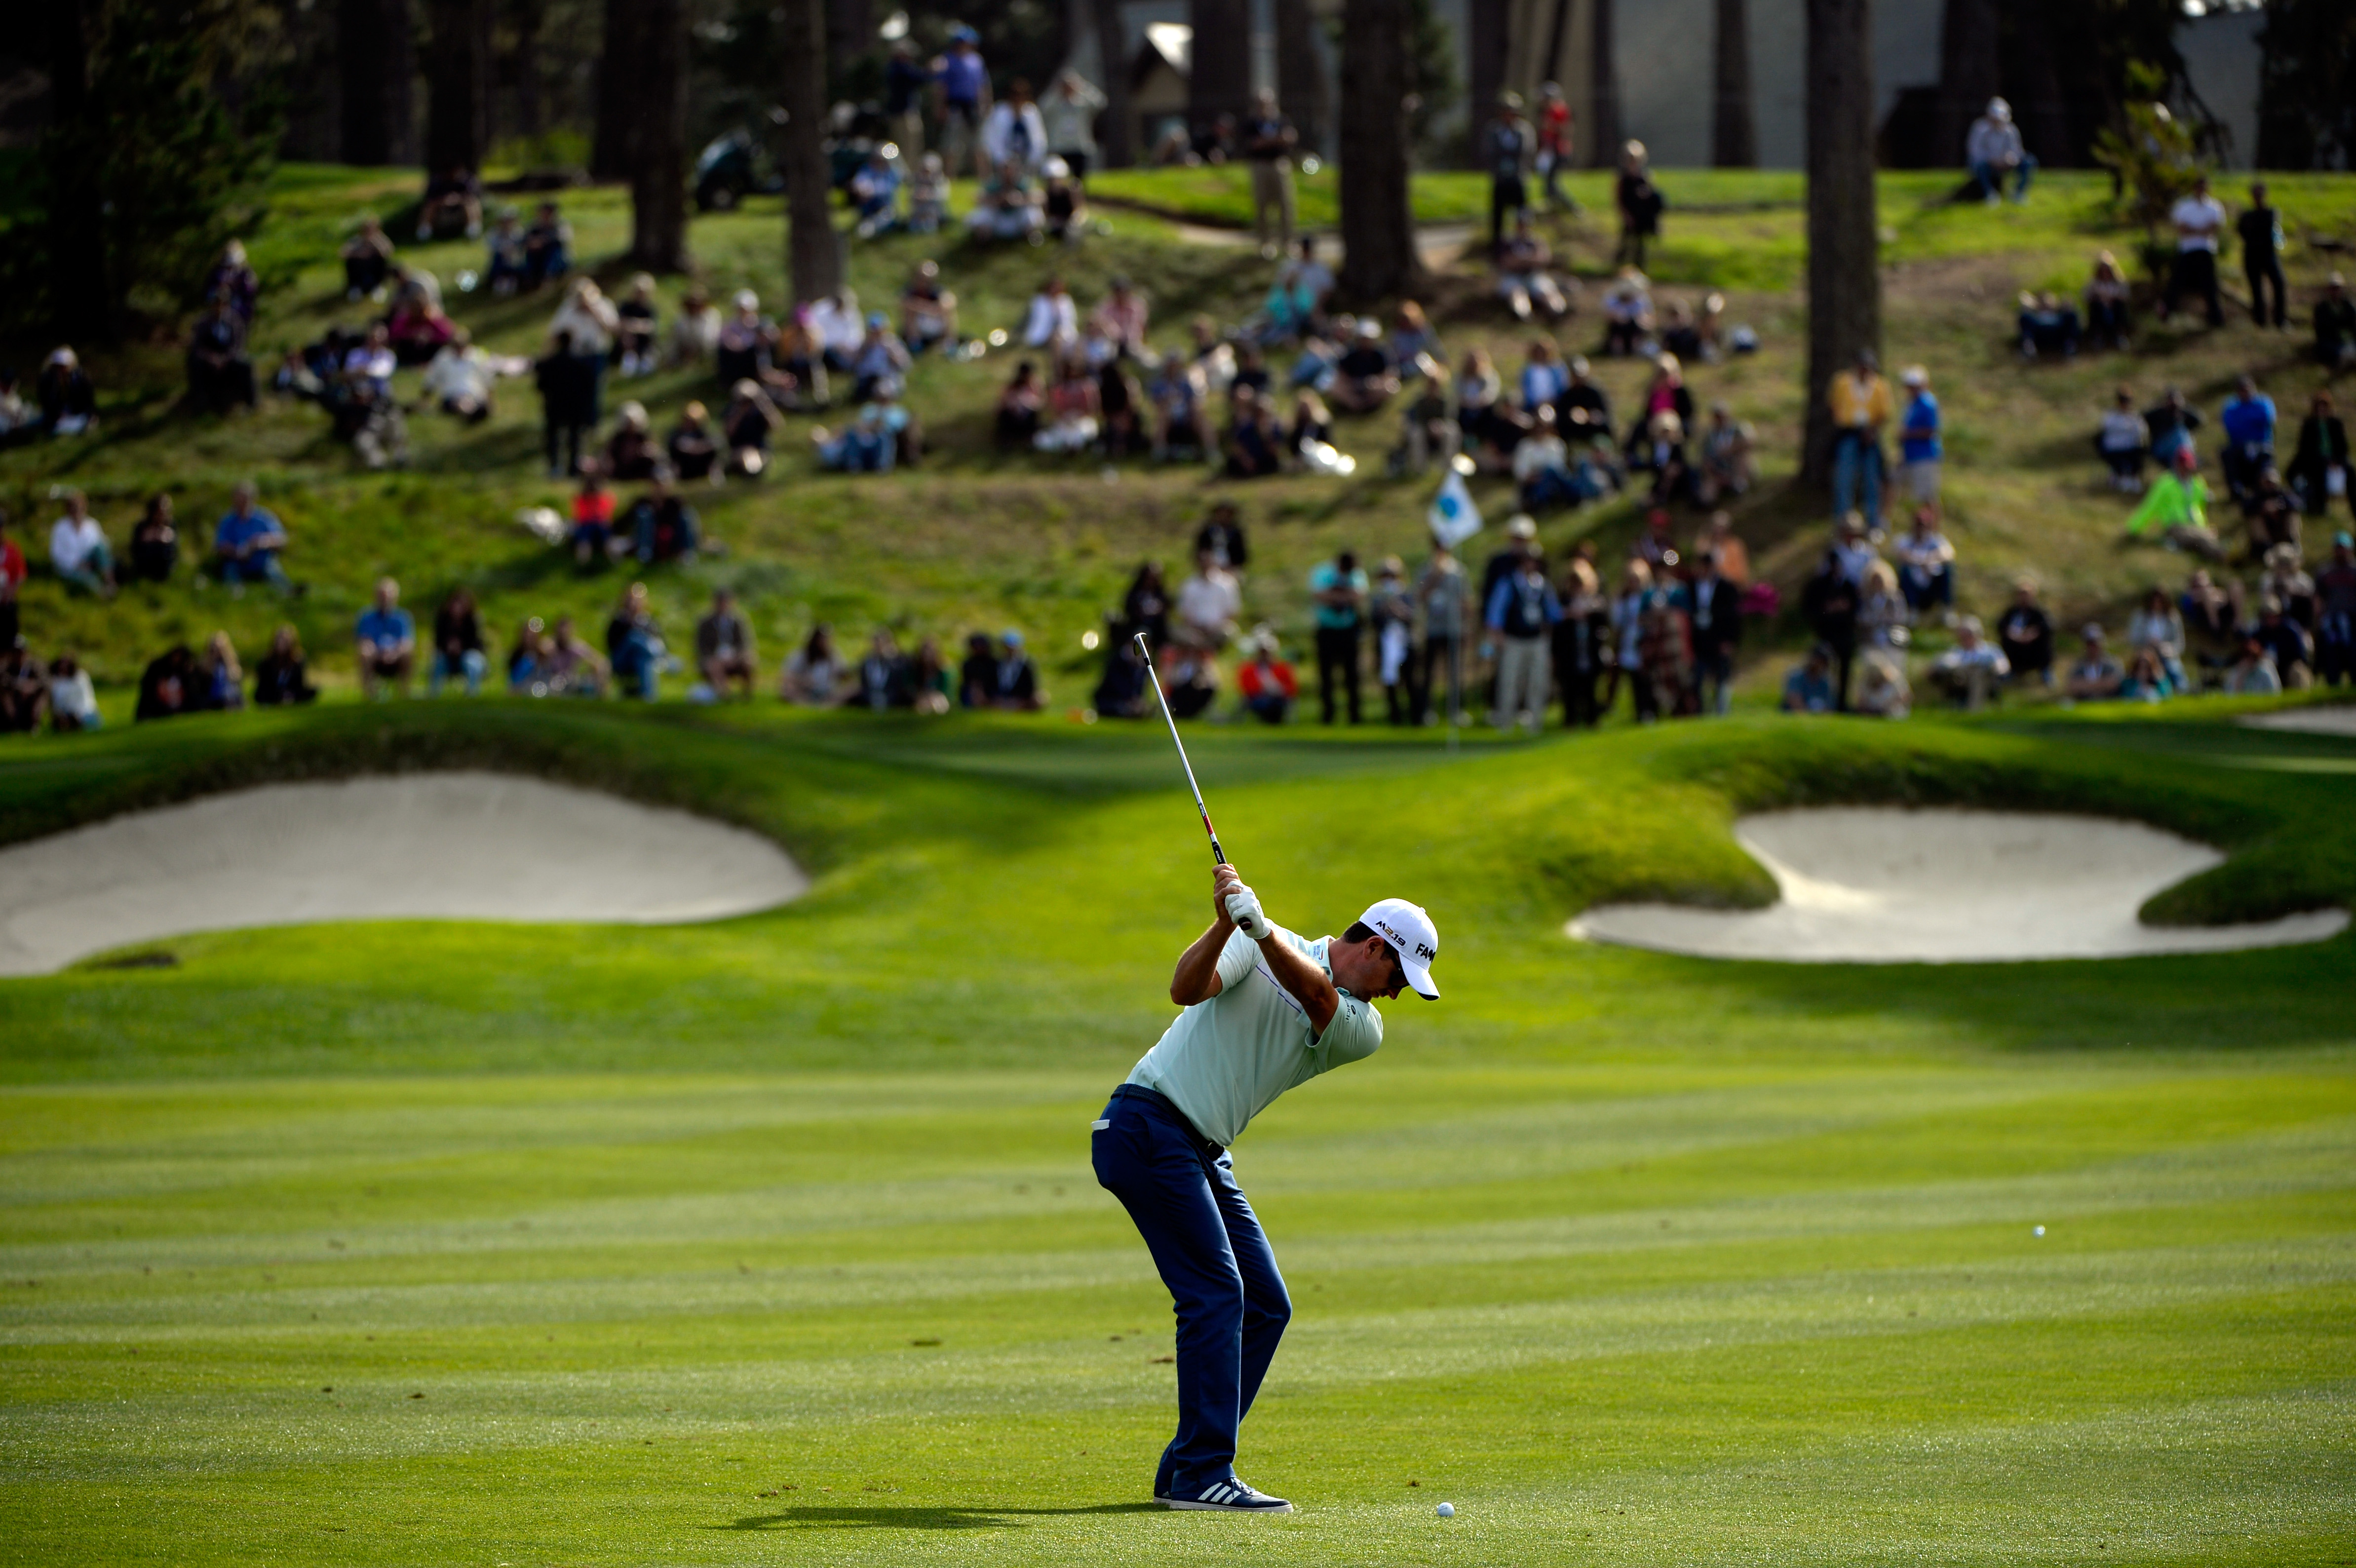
[{"x": 1229, "y": 1299}]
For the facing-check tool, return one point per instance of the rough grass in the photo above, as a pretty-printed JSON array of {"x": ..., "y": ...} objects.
[{"x": 775, "y": 1240}]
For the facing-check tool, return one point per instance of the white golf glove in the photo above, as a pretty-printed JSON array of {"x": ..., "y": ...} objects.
[{"x": 1243, "y": 908}]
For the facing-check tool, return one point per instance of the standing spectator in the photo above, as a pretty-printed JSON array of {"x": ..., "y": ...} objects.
[
  {"x": 1582, "y": 641},
  {"x": 2335, "y": 613},
  {"x": 568, "y": 398},
  {"x": 1970, "y": 673},
  {"x": 78, "y": 553},
  {"x": 1521, "y": 615},
  {"x": 387, "y": 642},
  {"x": 246, "y": 542},
  {"x": 1554, "y": 131},
  {"x": 2025, "y": 632},
  {"x": 367, "y": 261},
  {"x": 281, "y": 679},
  {"x": 167, "y": 687},
  {"x": 458, "y": 645},
  {"x": 1393, "y": 611},
  {"x": 1013, "y": 133},
  {"x": 1861, "y": 406},
  {"x": 2248, "y": 422},
  {"x": 1439, "y": 595},
  {"x": 1508, "y": 145},
  {"x": 1919, "y": 451},
  {"x": 2200, "y": 220},
  {"x": 1926, "y": 563},
  {"x": 2123, "y": 441},
  {"x": 1993, "y": 149},
  {"x": 2319, "y": 467},
  {"x": 2107, "y": 296},
  {"x": 73, "y": 705},
  {"x": 1626, "y": 619},
  {"x": 1070, "y": 113},
  {"x": 68, "y": 401},
  {"x": 2262, "y": 244},
  {"x": 1640, "y": 205},
  {"x": 905, "y": 80},
  {"x": 723, "y": 647},
  {"x": 1714, "y": 612},
  {"x": 1268, "y": 143},
  {"x": 1829, "y": 604},
  {"x": 2335, "y": 325},
  {"x": 1719, "y": 539},
  {"x": 1339, "y": 591},
  {"x": 964, "y": 82}
]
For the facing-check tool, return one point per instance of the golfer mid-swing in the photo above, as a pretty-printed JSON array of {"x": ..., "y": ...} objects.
[{"x": 1266, "y": 1010}]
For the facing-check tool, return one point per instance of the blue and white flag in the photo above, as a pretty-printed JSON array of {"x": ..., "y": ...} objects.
[{"x": 1454, "y": 516}]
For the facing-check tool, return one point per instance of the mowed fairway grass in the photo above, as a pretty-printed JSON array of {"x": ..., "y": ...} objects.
[{"x": 775, "y": 1241}]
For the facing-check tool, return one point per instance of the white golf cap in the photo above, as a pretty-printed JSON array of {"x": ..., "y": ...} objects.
[{"x": 1412, "y": 936}]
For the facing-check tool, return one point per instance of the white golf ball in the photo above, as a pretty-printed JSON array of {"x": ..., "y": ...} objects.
[
  {"x": 1446, "y": 1510},
  {"x": 2038, "y": 1232}
]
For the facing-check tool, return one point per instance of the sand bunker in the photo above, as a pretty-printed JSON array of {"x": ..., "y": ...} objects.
[
  {"x": 2333, "y": 721},
  {"x": 457, "y": 846},
  {"x": 1878, "y": 885}
]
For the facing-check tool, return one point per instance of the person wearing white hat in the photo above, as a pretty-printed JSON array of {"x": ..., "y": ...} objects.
[
  {"x": 1993, "y": 149},
  {"x": 1264, "y": 1011}
]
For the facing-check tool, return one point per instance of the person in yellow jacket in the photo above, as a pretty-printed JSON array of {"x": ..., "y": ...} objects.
[
  {"x": 2175, "y": 507},
  {"x": 1861, "y": 406}
]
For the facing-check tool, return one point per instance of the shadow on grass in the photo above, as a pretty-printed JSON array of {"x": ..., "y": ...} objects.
[{"x": 918, "y": 1516}]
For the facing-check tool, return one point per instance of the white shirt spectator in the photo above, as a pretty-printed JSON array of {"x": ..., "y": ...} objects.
[
  {"x": 375, "y": 362},
  {"x": 1981, "y": 656},
  {"x": 2124, "y": 431},
  {"x": 694, "y": 334},
  {"x": 1014, "y": 135},
  {"x": 458, "y": 374},
  {"x": 1071, "y": 122},
  {"x": 2198, "y": 220},
  {"x": 1855, "y": 555},
  {"x": 590, "y": 317},
  {"x": 70, "y": 543},
  {"x": 1210, "y": 600},
  {"x": 1054, "y": 321},
  {"x": 836, "y": 322},
  {"x": 1539, "y": 453},
  {"x": 70, "y": 697}
]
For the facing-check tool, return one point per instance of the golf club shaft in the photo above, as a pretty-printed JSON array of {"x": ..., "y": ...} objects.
[{"x": 1145, "y": 652}]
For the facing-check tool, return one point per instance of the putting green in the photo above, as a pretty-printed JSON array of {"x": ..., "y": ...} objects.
[{"x": 776, "y": 1242}]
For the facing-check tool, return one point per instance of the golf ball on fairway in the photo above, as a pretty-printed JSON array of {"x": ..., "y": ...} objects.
[
  {"x": 2038, "y": 1232},
  {"x": 1446, "y": 1510}
]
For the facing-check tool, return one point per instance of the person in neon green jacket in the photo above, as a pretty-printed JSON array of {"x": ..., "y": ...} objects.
[{"x": 2176, "y": 509}]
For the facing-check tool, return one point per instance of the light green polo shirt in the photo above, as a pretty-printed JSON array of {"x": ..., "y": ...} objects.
[{"x": 1223, "y": 1061}]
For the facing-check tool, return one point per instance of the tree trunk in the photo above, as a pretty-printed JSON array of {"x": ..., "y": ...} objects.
[
  {"x": 610, "y": 152},
  {"x": 813, "y": 253},
  {"x": 1301, "y": 73},
  {"x": 1844, "y": 264},
  {"x": 659, "y": 184},
  {"x": 80, "y": 300},
  {"x": 378, "y": 61},
  {"x": 1603, "y": 79},
  {"x": 1221, "y": 80},
  {"x": 531, "y": 112},
  {"x": 1379, "y": 254},
  {"x": 1486, "y": 23},
  {"x": 1970, "y": 74},
  {"x": 458, "y": 81},
  {"x": 1734, "y": 126},
  {"x": 1112, "y": 45}
]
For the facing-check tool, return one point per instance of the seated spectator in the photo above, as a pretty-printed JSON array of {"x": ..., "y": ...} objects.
[
  {"x": 2248, "y": 421},
  {"x": 694, "y": 331},
  {"x": 978, "y": 675},
  {"x": 2271, "y": 514},
  {"x": 745, "y": 347},
  {"x": 1662, "y": 453},
  {"x": 1007, "y": 208},
  {"x": 1667, "y": 392},
  {"x": 67, "y": 400},
  {"x": 1122, "y": 315},
  {"x": 633, "y": 644},
  {"x": 2210, "y": 614},
  {"x": 881, "y": 357},
  {"x": 24, "y": 689},
  {"x": 281, "y": 679},
  {"x": 1627, "y": 315},
  {"x": 547, "y": 247},
  {"x": 458, "y": 652},
  {"x": 1120, "y": 402},
  {"x": 874, "y": 192},
  {"x": 928, "y": 195},
  {"x": 1882, "y": 688},
  {"x": 1254, "y": 443},
  {"x": 505, "y": 265},
  {"x": 1883, "y": 617},
  {"x": 454, "y": 202},
  {"x": 1072, "y": 404},
  {"x": 1726, "y": 465},
  {"x": 1267, "y": 686},
  {"x": 2047, "y": 326},
  {"x": 723, "y": 648},
  {"x": 78, "y": 553},
  {"x": 1016, "y": 687},
  {"x": 417, "y": 330},
  {"x": 1120, "y": 691},
  {"x": 1718, "y": 540},
  {"x": 2335, "y": 613},
  {"x": 527, "y": 660},
  {"x": 592, "y": 538},
  {"x": 569, "y": 665},
  {"x": 2286, "y": 581},
  {"x": 220, "y": 375},
  {"x": 2124, "y": 442},
  {"x": 814, "y": 675},
  {"x": 747, "y": 424},
  {"x": 236, "y": 274},
  {"x": 1063, "y": 204},
  {"x": 1809, "y": 689},
  {"x": 1213, "y": 357},
  {"x": 1309, "y": 438},
  {"x": 1853, "y": 547},
  {"x": 1428, "y": 427},
  {"x": 368, "y": 261},
  {"x": 2170, "y": 427},
  {"x": 637, "y": 322},
  {"x": 458, "y": 381},
  {"x": 1524, "y": 274},
  {"x": 1021, "y": 404},
  {"x": 1544, "y": 378},
  {"x": 927, "y": 311},
  {"x": 883, "y": 677},
  {"x": 900, "y": 421},
  {"x": 2025, "y": 632},
  {"x": 929, "y": 681},
  {"x": 630, "y": 452},
  {"x": 221, "y": 684},
  {"x": 1970, "y": 674},
  {"x": 1182, "y": 416},
  {"x": 167, "y": 687},
  {"x": 1052, "y": 321},
  {"x": 1926, "y": 563},
  {"x": 2096, "y": 676},
  {"x": 2106, "y": 303},
  {"x": 386, "y": 642},
  {"x": 73, "y": 703},
  {"x": 2318, "y": 466},
  {"x": 2176, "y": 509},
  {"x": 2287, "y": 643},
  {"x": 2251, "y": 673},
  {"x": 866, "y": 445},
  {"x": 1222, "y": 533},
  {"x": 246, "y": 542},
  {"x": 2335, "y": 327},
  {"x": 2146, "y": 680},
  {"x": 155, "y": 542},
  {"x": 2157, "y": 627},
  {"x": 661, "y": 525},
  {"x": 691, "y": 449},
  {"x": 1681, "y": 337},
  {"x": 1993, "y": 151},
  {"x": 1414, "y": 343},
  {"x": 1365, "y": 378}
]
